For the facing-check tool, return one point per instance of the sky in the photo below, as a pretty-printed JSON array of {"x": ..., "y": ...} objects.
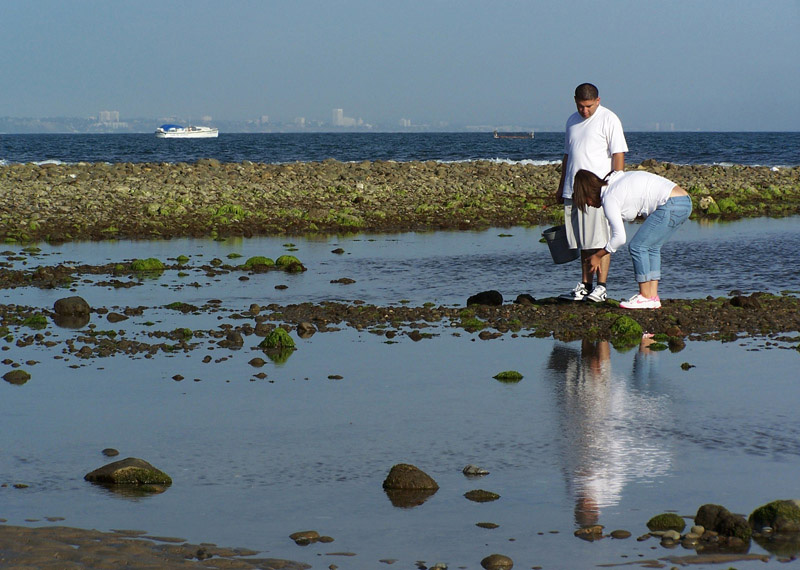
[{"x": 709, "y": 65}]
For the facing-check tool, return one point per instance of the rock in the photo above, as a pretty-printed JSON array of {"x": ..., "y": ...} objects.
[
  {"x": 746, "y": 302},
  {"x": 625, "y": 332},
  {"x": 782, "y": 516},
  {"x": 474, "y": 470},
  {"x": 590, "y": 533},
  {"x": 130, "y": 471},
  {"x": 278, "y": 338},
  {"x": 620, "y": 534},
  {"x": 698, "y": 530},
  {"x": 113, "y": 317},
  {"x": 18, "y": 377},
  {"x": 343, "y": 281},
  {"x": 667, "y": 521},
  {"x": 481, "y": 496},
  {"x": 305, "y": 537},
  {"x": 525, "y": 299},
  {"x": 497, "y": 562},
  {"x": 110, "y": 452},
  {"x": 233, "y": 340},
  {"x": 408, "y": 477},
  {"x": 720, "y": 520},
  {"x": 72, "y": 307},
  {"x": 489, "y": 525},
  {"x": 492, "y": 297},
  {"x": 508, "y": 376},
  {"x": 305, "y": 330}
]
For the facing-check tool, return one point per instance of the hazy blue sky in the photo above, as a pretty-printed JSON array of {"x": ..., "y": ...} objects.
[{"x": 700, "y": 64}]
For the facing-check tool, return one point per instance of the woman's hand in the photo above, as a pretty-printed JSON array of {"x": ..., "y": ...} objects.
[{"x": 593, "y": 261}]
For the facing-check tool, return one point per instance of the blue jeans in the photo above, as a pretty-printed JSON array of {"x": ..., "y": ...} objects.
[{"x": 645, "y": 247}]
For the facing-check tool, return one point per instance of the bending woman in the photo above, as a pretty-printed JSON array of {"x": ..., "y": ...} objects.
[{"x": 624, "y": 196}]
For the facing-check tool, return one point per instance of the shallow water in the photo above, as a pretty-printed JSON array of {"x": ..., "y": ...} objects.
[
  {"x": 588, "y": 434},
  {"x": 440, "y": 267}
]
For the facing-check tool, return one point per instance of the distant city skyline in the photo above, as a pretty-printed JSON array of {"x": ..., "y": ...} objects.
[{"x": 716, "y": 65}]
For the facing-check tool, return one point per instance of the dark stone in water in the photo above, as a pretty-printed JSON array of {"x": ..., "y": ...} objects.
[
  {"x": 71, "y": 307},
  {"x": 721, "y": 520},
  {"x": 491, "y": 297},
  {"x": 409, "y": 477},
  {"x": 524, "y": 299}
]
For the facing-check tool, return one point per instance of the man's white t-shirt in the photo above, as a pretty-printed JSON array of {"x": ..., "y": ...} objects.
[{"x": 589, "y": 144}]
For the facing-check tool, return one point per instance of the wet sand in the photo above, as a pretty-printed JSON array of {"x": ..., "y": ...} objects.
[{"x": 62, "y": 548}]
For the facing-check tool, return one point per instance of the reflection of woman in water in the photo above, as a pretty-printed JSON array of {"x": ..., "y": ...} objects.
[{"x": 599, "y": 416}]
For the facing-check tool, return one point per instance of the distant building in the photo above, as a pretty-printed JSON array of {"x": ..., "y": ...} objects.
[
  {"x": 405, "y": 123},
  {"x": 109, "y": 120},
  {"x": 339, "y": 120},
  {"x": 109, "y": 117}
]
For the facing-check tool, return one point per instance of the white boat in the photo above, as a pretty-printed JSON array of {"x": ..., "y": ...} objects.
[{"x": 190, "y": 132}]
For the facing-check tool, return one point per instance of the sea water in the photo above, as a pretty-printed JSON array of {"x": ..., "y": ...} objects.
[
  {"x": 764, "y": 149},
  {"x": 589, "y": 434}
]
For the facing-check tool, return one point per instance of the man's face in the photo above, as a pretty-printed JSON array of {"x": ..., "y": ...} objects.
[{"x": 587, "y": 108}]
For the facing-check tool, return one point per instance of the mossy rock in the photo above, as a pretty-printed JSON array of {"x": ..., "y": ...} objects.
[
  {"x": 130, "y": 471},
  {"x": 290, "y": 263},
  {"x": 625, "y": 332},
  {"x": 667, "y": 521},
  {"x": 35, "y": 322},
  {"x": 18, "y": 377},
  {"x": 509, "y": 376},
  {"x": 258, "y": 261},
  {"x": 728, "y": 205},
  {"x": 182, "y": 259},
  {"x": 277, "y": 339},
  {"x": 148, "y": 264},
  {"x": 781, "y": 516},
  {"x": 286, "y": 260}
]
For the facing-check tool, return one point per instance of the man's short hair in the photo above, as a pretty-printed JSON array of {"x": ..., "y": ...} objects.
[{"x": 586, "y": 92}]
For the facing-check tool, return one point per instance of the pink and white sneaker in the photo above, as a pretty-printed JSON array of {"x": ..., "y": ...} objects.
[{"x": 640, "y": 302}]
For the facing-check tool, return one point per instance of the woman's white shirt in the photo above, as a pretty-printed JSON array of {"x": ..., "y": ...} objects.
[{"x": 629, "y": 195}]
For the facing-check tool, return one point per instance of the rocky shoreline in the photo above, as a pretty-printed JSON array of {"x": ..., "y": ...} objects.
[{"x": 97, "y": 201}]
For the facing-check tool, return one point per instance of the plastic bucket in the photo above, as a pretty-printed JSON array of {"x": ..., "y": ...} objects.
[{"x": 556, "y": 238}]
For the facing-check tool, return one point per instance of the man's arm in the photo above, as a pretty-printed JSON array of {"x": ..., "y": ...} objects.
[
  {"x": 618, "y": 161},
  {"x": 560, "y": 191}
]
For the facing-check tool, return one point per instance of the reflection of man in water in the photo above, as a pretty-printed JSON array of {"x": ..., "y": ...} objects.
[{"x": 599, "y": 416}]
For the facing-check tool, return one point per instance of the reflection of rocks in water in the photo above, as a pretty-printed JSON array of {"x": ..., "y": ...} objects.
[
  {"x": 279, "y": 355},
  {"x": 133, "y": 491},
  {"x": 71, "y": 321},
  {"x": 408, "y": 498},
  {"x": 783, "y": 544}
]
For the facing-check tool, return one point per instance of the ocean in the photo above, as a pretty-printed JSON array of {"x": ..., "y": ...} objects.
[{"x": 773, "y": 149}]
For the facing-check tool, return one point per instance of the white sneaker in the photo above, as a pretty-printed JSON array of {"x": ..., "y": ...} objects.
[
  {"x": 640, "y": 302},
  {"x": 598, "y": 294},
  {"x": 577, "y": 294}
]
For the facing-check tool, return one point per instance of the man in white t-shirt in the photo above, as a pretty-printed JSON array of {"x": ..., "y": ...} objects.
[{"x": 594, "y": 141}]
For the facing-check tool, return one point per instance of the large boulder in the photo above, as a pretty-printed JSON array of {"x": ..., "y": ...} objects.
[
  {"x": 494, "y": 298},
  {"x": 408, "y": 477},
  {"x": 72, "y": 307},
  {"x": 781, "y": 516},
  {"x": 408, "y": 486},
  {"x": 721, "y": 520},
  {"x": 130, "y": 471}
]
